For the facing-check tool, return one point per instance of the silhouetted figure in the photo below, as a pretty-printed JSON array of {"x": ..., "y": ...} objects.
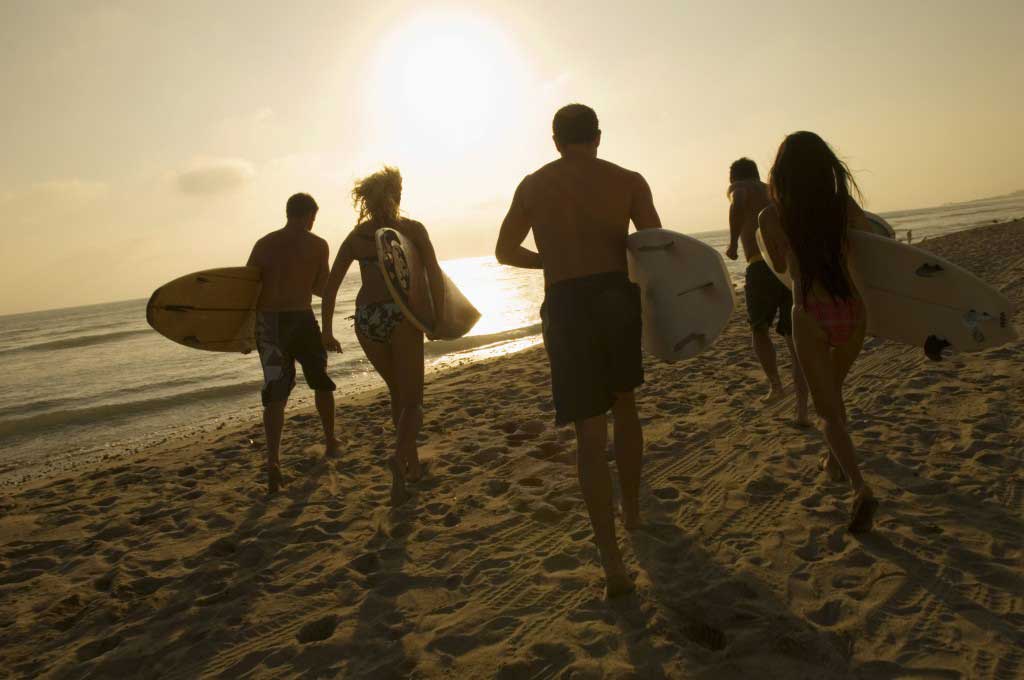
[
  {"x": 765, "y": 295},
  {"x": 579, "y": 208},
  {"x": 293, "y": 264},
  {"x": 805, "y": 231},
  {"x": 391, "y": 342}
]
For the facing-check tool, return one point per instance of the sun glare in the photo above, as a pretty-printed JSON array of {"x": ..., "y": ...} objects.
[{"x": 443, "y": 82}]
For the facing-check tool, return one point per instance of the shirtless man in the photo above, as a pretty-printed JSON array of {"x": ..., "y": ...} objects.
[
  {"x": 579, "y": 208},
  {"x": 294, "y": 266},
  {"x": 766, "y": 296}
]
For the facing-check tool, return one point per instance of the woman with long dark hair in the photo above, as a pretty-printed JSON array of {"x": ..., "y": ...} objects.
[
  {"x": 805, "y": 231},
  {"x": 392, "y": 344}
]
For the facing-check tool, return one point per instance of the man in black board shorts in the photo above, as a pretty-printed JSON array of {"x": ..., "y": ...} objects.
[
  {"x": 767, "y": 298},
  {"x": 579, "y": 208},
  {"x": 293, "y": 265}
]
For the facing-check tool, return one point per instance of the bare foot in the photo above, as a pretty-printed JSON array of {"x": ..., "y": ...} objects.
[
  {"x": 630, "y": 518},
  {"x": 274, "y": 479},
  {"x": 331, "y": 449},
  {"x": 863, "y": 515},
  {"x": 774, "y": 394},
  {"x": 618, "y": 583},
  {"x": 833, "y": 470},
  {"x": 803, "y": 418},
  {"x": 414, "y": 471},
  {"x": 398, "y": 493}
]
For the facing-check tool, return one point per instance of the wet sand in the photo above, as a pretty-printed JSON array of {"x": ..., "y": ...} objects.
[{"x": 173, "y": 564}]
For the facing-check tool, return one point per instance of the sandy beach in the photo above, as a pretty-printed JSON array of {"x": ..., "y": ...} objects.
[{"x": 173, "y": 564}]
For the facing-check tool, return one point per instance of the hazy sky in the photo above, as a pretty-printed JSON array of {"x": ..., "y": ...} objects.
[{"x": 144, "y": 140}]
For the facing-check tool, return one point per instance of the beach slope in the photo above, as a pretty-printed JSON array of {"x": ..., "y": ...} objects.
[{"x": 174, "y": 565}]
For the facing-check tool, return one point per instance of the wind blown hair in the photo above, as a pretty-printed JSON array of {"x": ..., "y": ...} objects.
[
  {"x": 811, "y": 189},
  {"x": 378, "y": 196}
]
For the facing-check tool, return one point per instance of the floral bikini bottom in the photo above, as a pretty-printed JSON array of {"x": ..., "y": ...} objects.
[{"x": 378, "y": 320}]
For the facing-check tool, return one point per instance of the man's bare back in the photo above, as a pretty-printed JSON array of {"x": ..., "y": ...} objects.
[
  {"x": 294, "y": 266},
  {"x": 579, "y": 209},
  {"x": 748, "y": 198}
]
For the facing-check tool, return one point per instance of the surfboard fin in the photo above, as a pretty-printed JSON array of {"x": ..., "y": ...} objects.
[
  {"x": 692, "y": 337},
  {"x": 662, "y": 246},
  {"x": 928, "y": 270},
  {"x": 706, "y": 284},
  {"x": 936, "y": 348}
]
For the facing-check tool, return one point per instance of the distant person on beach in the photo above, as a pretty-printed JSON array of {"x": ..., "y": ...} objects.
[
  {"x": 579, "y": 208},
  {"x": 805, "y": 231},
  {"x": 293, "y": 264},
  {"x": 391, "y": 342},
  {"x": 766, "y": 296}
]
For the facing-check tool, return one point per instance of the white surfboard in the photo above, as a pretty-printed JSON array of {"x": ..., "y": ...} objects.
[
  {"x": 686, "y": 291},
  {"x": 917, "y": 298},
  {"x": 405, "y": 276}
]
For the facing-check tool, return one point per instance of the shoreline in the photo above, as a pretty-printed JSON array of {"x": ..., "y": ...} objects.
[{"x": 174, "y": 564}]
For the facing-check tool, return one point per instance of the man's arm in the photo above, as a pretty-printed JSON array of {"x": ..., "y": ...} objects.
[
  {"x": 514, "y": 229},
  {"x": 736, "y": 211},
  {"x": 642, "y": 210},
  {"x": 768, "y": 220},
  {"x": 323, "y": 268},
  {"x": 329, "y": 296},
  {"x": 254, "y": 256}
]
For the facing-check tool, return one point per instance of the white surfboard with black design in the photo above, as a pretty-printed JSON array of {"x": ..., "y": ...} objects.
[{"x": 686, "y": 292}]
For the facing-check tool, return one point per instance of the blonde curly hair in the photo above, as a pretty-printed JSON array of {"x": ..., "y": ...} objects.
[{"x": 378, "y": 196}]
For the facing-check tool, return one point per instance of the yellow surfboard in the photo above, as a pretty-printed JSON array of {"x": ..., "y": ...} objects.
[{"x": 214, "y": 309}]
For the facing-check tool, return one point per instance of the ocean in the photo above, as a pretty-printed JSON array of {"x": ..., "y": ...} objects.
[{"x": 85, "y": 382}]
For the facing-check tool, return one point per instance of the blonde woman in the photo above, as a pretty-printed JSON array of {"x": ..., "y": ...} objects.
[{"x": 392, "y": 344}]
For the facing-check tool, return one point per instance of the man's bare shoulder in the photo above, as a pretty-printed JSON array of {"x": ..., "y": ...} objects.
[
  {"x": 318, "y": 241},
  {"x": 615, "y": 168},
  {"x": 268, "y": 240}
]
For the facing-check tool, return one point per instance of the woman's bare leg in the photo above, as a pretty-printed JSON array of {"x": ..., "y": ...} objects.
[
  {"x": 407, "y": 355},
  {"x": 380, "y": 355},
  {"x": 822, "y": 369}
]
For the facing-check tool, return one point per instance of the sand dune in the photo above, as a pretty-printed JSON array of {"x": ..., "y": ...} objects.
[{"x": 173, "y": 565}]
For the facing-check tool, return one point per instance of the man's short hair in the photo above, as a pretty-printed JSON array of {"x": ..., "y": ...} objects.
[
  {"x": 300, "y": 205},
  {"x": 575, "y": 124},
  {"x": 741, "y": 169}
]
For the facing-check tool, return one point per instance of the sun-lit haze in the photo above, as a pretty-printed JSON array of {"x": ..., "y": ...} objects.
[{"x": 142, "y": 141}]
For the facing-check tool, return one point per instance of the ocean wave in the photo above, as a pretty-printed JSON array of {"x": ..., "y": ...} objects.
[
  {"x": 60, "y": 413},
  {"x": 441, "y": 347},
  {"x": 121, "y": 394},
  {"x": 77, "y": 341},
  {"x": 54, "y": 420}
]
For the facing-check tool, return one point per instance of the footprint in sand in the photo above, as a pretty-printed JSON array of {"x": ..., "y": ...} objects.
[
  {"x": 437, "y": 508},
  {"x": 666, "y": 493},
  {"x": 828, "y": 615},
  {"x": 91, "y": 650},
  {"x": 488, "y": 455},
  {"x": 496, "y": 487},
  {"x": 561, "y": 562},
  {"x": 546, "y": 514},
  {"x": 317, "y": 631}
]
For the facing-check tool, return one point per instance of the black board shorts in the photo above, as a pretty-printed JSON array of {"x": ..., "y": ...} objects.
[
  {"x": 282, "y": 338},
  {"x": 766, "y": 296},
  {"x": 592, "y": 333}
]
